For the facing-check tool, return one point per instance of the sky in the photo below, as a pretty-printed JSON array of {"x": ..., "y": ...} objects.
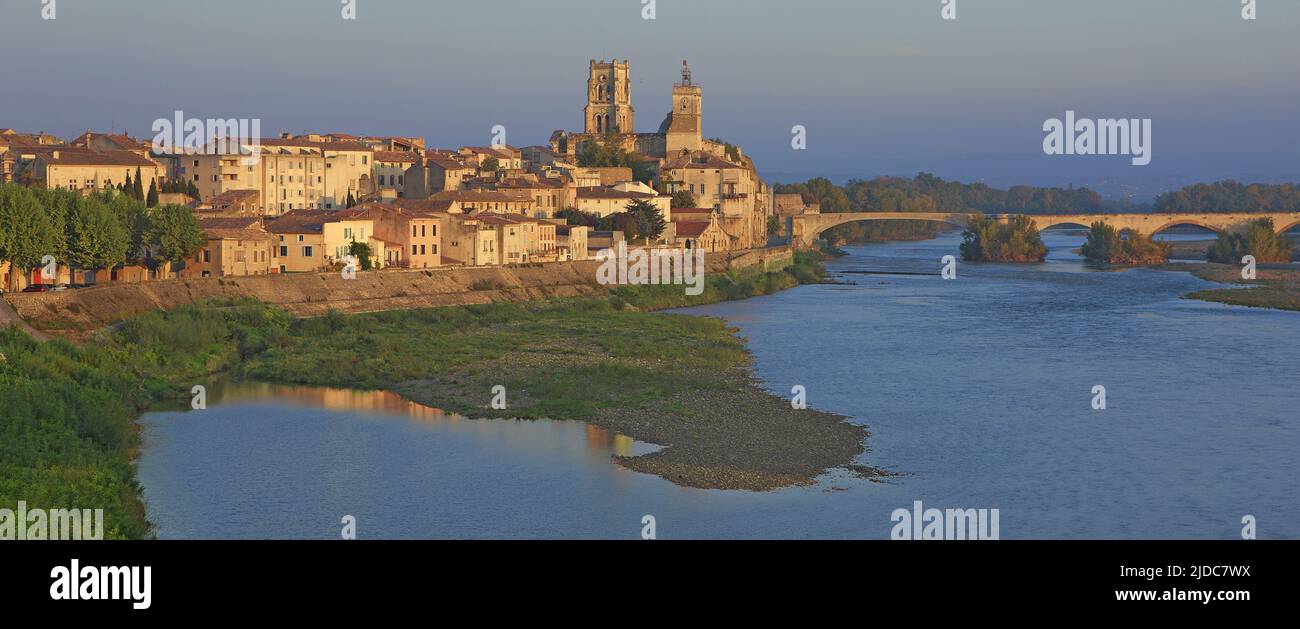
[{"x": 883, "y": 87}]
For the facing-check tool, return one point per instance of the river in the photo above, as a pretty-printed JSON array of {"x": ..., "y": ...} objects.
[{"x": 978, "y": 391}]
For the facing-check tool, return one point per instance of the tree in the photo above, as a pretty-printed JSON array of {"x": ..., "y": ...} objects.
[
  {"x": 352, "y": 201},
  {"x": 152, "y": 199},
  {"x": 174, "y": 234},
  {"x": 26, "y": 232},
  {"x": 97, "y": 237},
  {"x": 127, "y": 186},
  {"x": 649, "y": 220},
  {"x": 361, "y": 251},
  {"x": 1256, "y": 238},
  {"x": 574, "y": 216},
  {"x": 138, "y": 185},
  {"x": 683, "y": 198},
  {"x": 491, "y": 164}
]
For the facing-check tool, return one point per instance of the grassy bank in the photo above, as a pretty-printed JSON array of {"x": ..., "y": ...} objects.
[
  {"x": 1277, "y": 288},
  {"x": 68, "y": 436}
]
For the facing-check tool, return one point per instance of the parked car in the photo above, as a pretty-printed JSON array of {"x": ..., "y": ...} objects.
[{"x": 44, "y": 288}]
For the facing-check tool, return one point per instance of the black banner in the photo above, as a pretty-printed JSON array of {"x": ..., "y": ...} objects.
[{"x": 236, "y": 578}]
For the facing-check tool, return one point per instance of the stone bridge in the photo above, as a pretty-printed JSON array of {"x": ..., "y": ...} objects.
[{"x": 806, "y": 229}]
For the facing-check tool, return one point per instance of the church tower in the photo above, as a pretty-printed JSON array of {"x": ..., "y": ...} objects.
[
  {"x": 609, "y": 98},
  {"x": 685, "y": 127}
]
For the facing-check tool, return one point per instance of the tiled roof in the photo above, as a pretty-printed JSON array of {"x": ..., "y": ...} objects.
[
  {"x": 59, "y": 156},
  {"x": 609, "y": 193},
  {"x": 691, "y": 228},
  {"x": 699, "y": 159},
  {"x": 395, "y": 156}
]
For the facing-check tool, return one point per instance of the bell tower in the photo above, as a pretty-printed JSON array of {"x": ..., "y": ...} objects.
[{"x": 609, "y": 98}]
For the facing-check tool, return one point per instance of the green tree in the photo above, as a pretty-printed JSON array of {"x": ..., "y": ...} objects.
[
  {"x": 152, "y": 199},
  {"x": 174, "y": 234},
  {"x": 352, "y": 201},
  {"x": 97, "y": 237},
  {"x": 362, "y": 253},
  {"x": 491, "y": 164},
  {"x": 989, "y": 240},
  {"x": 1107, "y": 245},
  {"x": 574, "y": 216},
  {"x": 27, "y": 234},
  {"x": 683, "y": 198},
  {"x": 1256, "y": 238},
  {"x": 137, "y": 186},
  {"x": 649, "y": 219}
]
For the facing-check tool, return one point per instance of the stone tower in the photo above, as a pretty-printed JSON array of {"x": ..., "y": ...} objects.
[
  {"x": 684, "y": 131},
  {"x": 609, "y": 98}
]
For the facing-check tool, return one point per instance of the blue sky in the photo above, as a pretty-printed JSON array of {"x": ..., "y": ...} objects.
[{"x": 883, "y": 86}]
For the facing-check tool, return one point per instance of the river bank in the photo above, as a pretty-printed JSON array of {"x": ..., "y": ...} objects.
[{"x": 685, "y": 383}]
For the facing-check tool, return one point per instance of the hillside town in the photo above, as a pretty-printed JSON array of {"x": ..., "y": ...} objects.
[{"x": 312, "y": 202}]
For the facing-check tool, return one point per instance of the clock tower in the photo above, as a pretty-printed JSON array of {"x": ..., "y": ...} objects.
[{"x": 684, "y": 132}]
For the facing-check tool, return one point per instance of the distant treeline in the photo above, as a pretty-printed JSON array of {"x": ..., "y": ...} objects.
[
  {"x": 928, "y": 193},
  {"x": 1230, "y": 196}
]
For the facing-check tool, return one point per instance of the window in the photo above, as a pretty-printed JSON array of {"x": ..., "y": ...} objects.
[
  {"x": 347, "y": 233},
  {"x": 415, "y": 230},
  {"x": 414, "y": 249},
  {"x": 433, "y": 249},
  {"x": 207, "y": 255},
  {"x": 239, "y": 256},
  {"x": 306, "y": 252},
  {"x": 284, "y": 252}
]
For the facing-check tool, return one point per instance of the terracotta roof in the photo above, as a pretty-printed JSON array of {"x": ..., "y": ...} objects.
[
  {"x": 300, "y": 222},
  {"x": 609, "y": 193},
  {"x": 692, "y": 210},
  {"x": 699, "y": 159},
  {"x": 242, "y": 228},
  {"x": 395, "y": 156},
  {"x": 480, "y": 196},
  {"x": 691, "y": 228},
  {"x": 80, "y": 157}
]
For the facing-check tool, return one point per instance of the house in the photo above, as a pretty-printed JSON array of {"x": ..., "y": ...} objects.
[
  {"x": 390, "y": 170},
  {"x": 299, "y": 240},
  {"x": 435, "y": 172},
  {"x": 604, "y": 201},
  {"x": 289, "y": 173},
  {"x": 415, "y": 235},
  {"x": 571, "y": 242},
  {"x": 235, "y": 246},
  {"x": 472, "y": 241},
  {"x": 697, "y": 230},
  {"x": 88, "y": 170}
]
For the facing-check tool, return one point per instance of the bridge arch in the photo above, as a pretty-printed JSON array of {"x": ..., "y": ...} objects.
[
  {"x": 1284, "y": 228},
  {"x": 808, "y": 228},
  {"x": 1186, "y": 221}
]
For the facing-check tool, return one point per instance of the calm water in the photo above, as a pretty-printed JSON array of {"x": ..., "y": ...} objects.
[{"x": 978, "y": 390}]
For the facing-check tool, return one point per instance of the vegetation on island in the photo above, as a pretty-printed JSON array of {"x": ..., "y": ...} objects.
[
  {"x": 1256, "y": 238},
  {"x": 68, "y": 432},
  {"x": 988, "y": 240},
  {"x": 1107, "y": 245}
]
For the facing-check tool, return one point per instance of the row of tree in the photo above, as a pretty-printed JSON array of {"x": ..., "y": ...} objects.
[
  {"x": 1230, "y": 196},
  {"x": 104, "y": 230}
]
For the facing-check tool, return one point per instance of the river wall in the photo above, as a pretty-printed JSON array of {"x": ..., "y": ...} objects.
[{"x": 72, "y": 312}]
